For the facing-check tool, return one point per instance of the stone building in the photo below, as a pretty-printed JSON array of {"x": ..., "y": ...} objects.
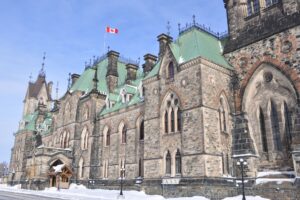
[{"x": 178, "y": 126}]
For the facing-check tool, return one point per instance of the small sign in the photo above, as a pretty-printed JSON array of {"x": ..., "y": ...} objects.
[{"x": 171, "y": 181}]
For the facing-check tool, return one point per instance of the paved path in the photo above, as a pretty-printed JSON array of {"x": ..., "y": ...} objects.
[{"x": 5, "y": 195}]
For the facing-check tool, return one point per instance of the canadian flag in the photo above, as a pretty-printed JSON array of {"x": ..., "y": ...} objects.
[{"x": 111, "y": 30}]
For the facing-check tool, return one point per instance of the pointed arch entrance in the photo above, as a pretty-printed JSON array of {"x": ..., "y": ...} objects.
[{"x": 59, "y": 174}]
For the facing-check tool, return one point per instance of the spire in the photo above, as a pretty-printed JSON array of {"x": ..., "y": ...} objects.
[
  {"x": 69, "y": 81},
  {"x": 30, "y": 77},
  {"x": 42, "y": 71},
  {"x": 168, "y": 28},
  {"x": 95, "y": 78},
  {"x": 56, "y": 90}
]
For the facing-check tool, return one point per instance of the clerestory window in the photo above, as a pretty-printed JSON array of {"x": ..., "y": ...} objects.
[{"x": 253, "y": 7}]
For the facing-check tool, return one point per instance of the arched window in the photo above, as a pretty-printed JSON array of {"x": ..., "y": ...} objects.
[
  {"x": 288, "y": 127},
  {"x": 141, "y": 168},
  {"x": 142, "y": 130},
  {"x": 271, "y": 2},
  {"x": 85, "y": 113},
  {"x": 178, "y": 119},
  {"x": 172, "y": 120},
  {"x": 124, "y": 132},
  {"x": 84, "y": 138},
  {"x": 275, "y": 128},
  {"x": 223, "y": 113},
  {"x": 178, "y": 162},
  {"x": 253, "y": 7},
  {"x": 81, "y": 168},
  {"x": 263, "y": 132},
  {"x": 67, "y": 112},
  {"x": 107, "y": 138},
  {"x": 171, "y": 114},
  {"x": 166, "y": 122},
  {"x": 168, "y": 163},
  {"x": 171, "y": 70}
]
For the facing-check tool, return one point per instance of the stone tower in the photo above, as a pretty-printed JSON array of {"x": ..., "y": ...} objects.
[
  {"x": 252, "y": 20},
  {"x": 38, "y": 92}
]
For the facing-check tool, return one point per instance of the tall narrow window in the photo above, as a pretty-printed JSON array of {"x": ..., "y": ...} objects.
[
  {"x": 166, "y": 122},
  {"x": 222, "y": 115},
  {"x": 80, "y": 168},
  {"x": 124, "y": 131},
  {"x": 178, "y": 162},
  {"x": 172, "y": 120},
  {"x": 271, "y": 2},
  {"x": 275, "y": 128},
  {"x": 253, "y": 7},
  {"x": 108, "y": 138},
  {"x": 178, "y": 119},
  {"x": 142, "y": 130},
  {"x": 287, "y": 124},
  {"x": 168, "y": 163},
  {"x": 141, "y": 168},
  {"x": 263, "y": 132},
  {"x": 171, "y": 70}
]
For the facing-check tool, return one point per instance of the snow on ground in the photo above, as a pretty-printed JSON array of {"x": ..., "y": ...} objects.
[{"x": 79, "y": 192}]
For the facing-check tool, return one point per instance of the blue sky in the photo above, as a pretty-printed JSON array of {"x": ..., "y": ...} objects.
[{"x": 71, "y": 32}]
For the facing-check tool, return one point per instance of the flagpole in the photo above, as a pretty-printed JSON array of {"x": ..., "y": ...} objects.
[{"x": 104, "y": 41}]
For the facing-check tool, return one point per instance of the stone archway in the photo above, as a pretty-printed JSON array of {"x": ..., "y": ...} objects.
[{"x": 60, "y": 175}]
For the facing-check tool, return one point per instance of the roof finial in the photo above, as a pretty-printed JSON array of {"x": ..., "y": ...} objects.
[
  {"x": 168, "y": 27},
  {"x": 56, "y": 90},
  {"x": 179, "y": 27},
  {"x": 42, "y": 71},
  {"x": 108, "y": 48},
  {"x": 194, "y": 20},
  {"x": 95, "y": 79},
  {"x": 30, "y": 77},
  {"x": 69, "y": 81}
]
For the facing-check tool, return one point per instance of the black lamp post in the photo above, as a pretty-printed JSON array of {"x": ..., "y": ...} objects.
[
  {"x": 122, "y": 176},
  {"x": 241, "y": 163},
  {"x": 12, "y": 177}
]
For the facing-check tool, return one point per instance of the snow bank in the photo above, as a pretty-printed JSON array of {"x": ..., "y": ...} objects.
[
  {"x": 75, "y": 186},
  {"x": 277, "y": 180},
  {"x": 80, "y": 192},
  {"x": 247, "y": 197},
  {"x": 269, "y": 173}
]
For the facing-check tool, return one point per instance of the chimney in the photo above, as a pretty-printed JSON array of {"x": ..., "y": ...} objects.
[
  {"x": 50, "y": 84},
  {"x": 112, "y": 63},
  {"x": 150, "y": 61},
  {"x": 131, "y": 71},
  {"x": 163, "y": 40},
  {"x": 74, "y": 77},
  {"x": 112, "y": 70}
]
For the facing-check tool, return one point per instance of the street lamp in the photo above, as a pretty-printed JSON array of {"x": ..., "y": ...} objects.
[
  {"x": 241, "y": 163},
  {"x": 122, "y": 176},
  {"x": 12, "y": 177}
]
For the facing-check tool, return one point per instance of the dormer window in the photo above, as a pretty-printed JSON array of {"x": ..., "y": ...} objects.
[
  {"x": 128, "y": 97},
  {"x": 253, "y": 7}
]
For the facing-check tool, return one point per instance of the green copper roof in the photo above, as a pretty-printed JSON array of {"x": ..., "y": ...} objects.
[
  {"x": 85, "y": 82},
  {"x": 192, "y": 44},
  {"x": 29, "y": 121},
  {"x": 154, "y": 71},
  {"x": 195, "y": 43}
]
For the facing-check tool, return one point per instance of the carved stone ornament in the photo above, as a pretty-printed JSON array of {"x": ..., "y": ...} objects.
[
  {"x": 268, "y": 76},
  {"x": 286, "y": 46},
  {"x": 184, "y": 82}
]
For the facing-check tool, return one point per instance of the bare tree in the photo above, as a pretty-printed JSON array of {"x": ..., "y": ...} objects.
[{"x": 3, "y": 169}]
